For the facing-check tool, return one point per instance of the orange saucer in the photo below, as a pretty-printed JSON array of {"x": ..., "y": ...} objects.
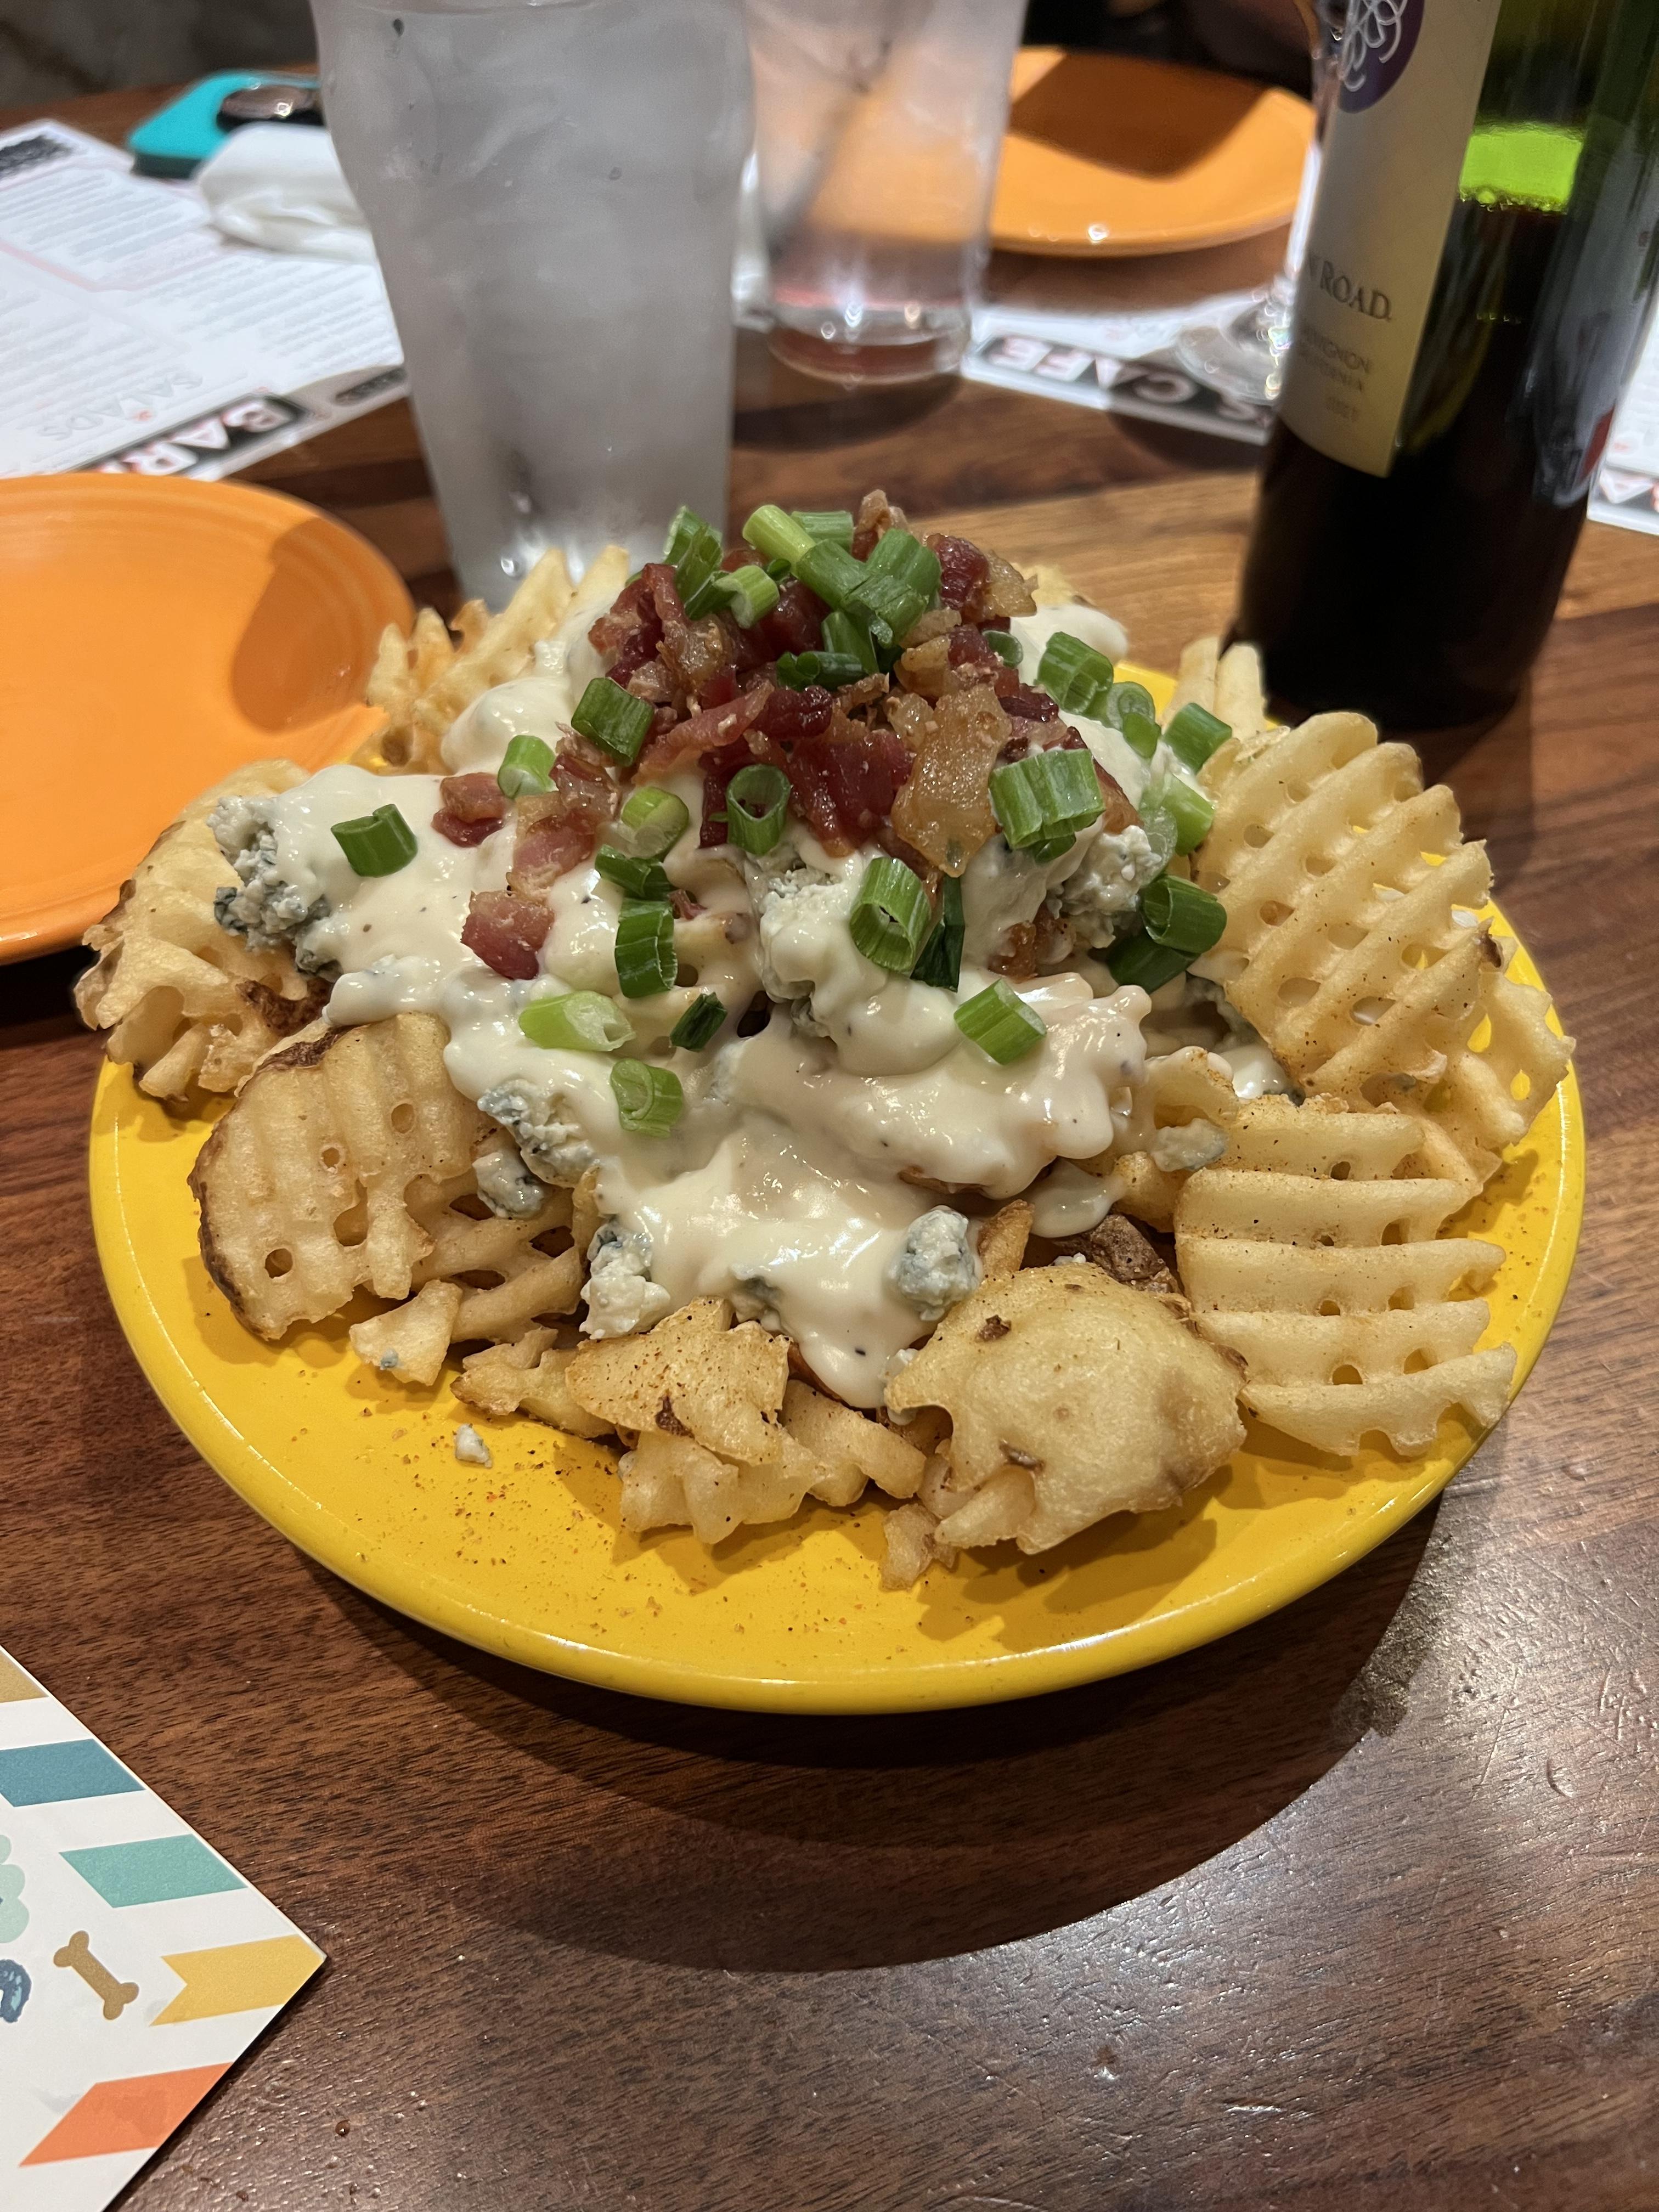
[
  {"x": 1110, "y": 154},
  {"x": 156, "y": 633}
]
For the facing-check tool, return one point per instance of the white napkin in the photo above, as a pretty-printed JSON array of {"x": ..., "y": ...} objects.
[{"x": 279, "y": 185}]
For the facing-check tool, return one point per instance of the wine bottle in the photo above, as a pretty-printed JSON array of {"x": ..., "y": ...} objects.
[{"x": 1480, "y": 267}]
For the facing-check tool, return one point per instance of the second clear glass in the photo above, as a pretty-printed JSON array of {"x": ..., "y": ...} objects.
[{"x": 878, "y": 134}]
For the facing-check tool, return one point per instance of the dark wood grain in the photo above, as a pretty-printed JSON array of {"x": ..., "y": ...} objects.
[{"x": 1355, "y": 1908}]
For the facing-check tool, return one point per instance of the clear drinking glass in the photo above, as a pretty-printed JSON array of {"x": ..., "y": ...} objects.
[
  {"x": 1244, "y": 356},
  {"x": 879, "y": 128},
  {"x": 552, "y": 186}
]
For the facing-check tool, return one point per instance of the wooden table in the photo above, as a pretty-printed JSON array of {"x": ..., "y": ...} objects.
[{"x": 1357, "y": 1908}]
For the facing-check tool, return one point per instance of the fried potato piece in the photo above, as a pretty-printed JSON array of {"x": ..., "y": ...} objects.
[
  {"x": 1095, "y": 1393},
  {"x": 405, "y": 668},
  {"x": 1002, "y": 1240},
  {"x": 669, "y": 1481},
  {"x": 187, "y": 1003},
  {"x": 342, "y": 1167},
  {"x": 408, "y": 1342},
  {"x": 1315, "y": 1255},
  {"x": 526, "y": 1376},
  {"x": 1188, "y": 1105},
  {"x": 1353, "y": 944},
  {"x": 849, "y": 1448},
  {"x": 910, "y": 1545},
  {"x": 693, "y": 1374},
  {"x": 1227, "y": 684}
]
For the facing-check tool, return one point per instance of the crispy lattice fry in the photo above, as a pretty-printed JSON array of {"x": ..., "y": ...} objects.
[
  {"x": 339, "y": 1168},
  {"x": 1315, "y": 1255},
  {"x": 1096, "y": 1394},
  {"x": 693, "y": 1374},
  {"x": 849, "y": 1448},
  {"x": 187, "y": 1003},
  {"x": 1188, "y": 1105},
  {"x": 1354, "y": 945},
  {"x": 409, "y": 1341},
  {"x": 526, "y": 1376}
]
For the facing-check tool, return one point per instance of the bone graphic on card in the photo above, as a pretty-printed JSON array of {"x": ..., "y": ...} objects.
[{"x": 77, "y": 1955}]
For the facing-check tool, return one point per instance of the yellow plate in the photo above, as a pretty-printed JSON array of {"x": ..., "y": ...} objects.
[{"x": 527, "y": 1558}]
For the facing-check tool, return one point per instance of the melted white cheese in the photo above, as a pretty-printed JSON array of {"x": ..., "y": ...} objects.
[{"x": 805, "y": 1151}]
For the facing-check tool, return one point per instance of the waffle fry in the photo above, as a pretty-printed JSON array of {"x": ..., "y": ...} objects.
[
  {"x": 1353, "y": 944},
  {"x": 405, "y": 668},
  {"x": 526, "y": 1376},
  {"x": 339, "y": 1168},
  {"x": 1115, "y": 1406},
  {"x": 189, "y": 1006},
  {"x": 1225, "y": 683},
  {"x": 409, "y": 1343},
  {"x": 849, "y": 1448},
  {"x": 1314, "y": 1254},
  {"x": 694, "y": 1375},
  {"x": 1190, "y": 1104}
]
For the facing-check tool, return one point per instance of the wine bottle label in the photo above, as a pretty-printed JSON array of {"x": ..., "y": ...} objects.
[{"x": 1409, "y": 80}]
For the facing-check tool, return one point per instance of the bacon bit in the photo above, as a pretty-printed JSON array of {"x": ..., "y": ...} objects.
[
  {"x": 693, "y": 652},
  {"x": 789, "y": 714},
  {"x": 962, "y": 568},
  {"x": 629, "y": 631},
  {"x": 718, "y": 770},
  {"x": 1056, "y": 940},
  {"x": 736, "y": 557},
  {"x": 1016, "y": 952},
  {"x": 877, "y": 515},
  {"x": 705, "y": 732},
  {"x": 795, "y": 624},
  {"x": 1003, "y": 592},
  {"x": 507, "y": 934},
  {"x": 557, "y": 830},
  {"x": 472, "y": 806},
  {"x": 1116, "y": 815},
  {"x": 1026, "y": 705},
  {"x": 945, "y": 808},
  {"x": 649, "y": 682},
  {"x": 686, "y": 908},
  {"x": 925, "y": 669},
  {"x": 845, "y": 785}
]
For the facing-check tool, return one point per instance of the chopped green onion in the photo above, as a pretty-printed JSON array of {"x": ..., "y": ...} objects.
[
  {"x": 797, "y": 670},
  {"x": 1017, "y": 801},
  {"x": 1160, "y": 831},
  {"x": 1138, "y": 960},
  {"x": 777, "y": 535},
  {"x": 700, "y": 578},
  {"x": 1181, "y": 915},
  {"x": 576, "y": 1021},
  {"x": 1181, "y": 921},
  {"x": 998, "y": 1021},
  {"x": 654, "y": 821},
  {"x": 526, "y": 765},
  {"x": 641, "y": 878},
  {"x": 834, "y": 523},
  {"x": 1128, "y": 699},
  {"x": 778, "y": 571},
  {"x": 886, "y": 599},
  {"x": 1194, "y": 733},
  {"x": 1075, "y": 677},
  {"x": 646, "y": 960},
  {"x": 612, "y": 719},
  {"x": 940, "y": 962},
  {"x": 650, "y": 1100},
  {"x": 890, "y": 916},
  {"x": 1051, "y": 845},
  {"x": 907, "y": 560},
  {"x": 1140, "y": 732},
  {"x": 757, "y": 803},
  {"x": 829, "y": 570},
  {"x": 1188, "y": 808},
  {"x": 377, "y": 844},
  {"x": 683, "y": 532},
  {"x": 698, "y": 1023},
  {"x": 1045, "y": 798},
  {"x": 749, "y": 593},
  {"x": 1006, "y": 646},
  {"x": 845, "y": 635}
]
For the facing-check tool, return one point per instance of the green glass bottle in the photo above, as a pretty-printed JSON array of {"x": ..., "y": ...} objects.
[{"x": 1481, "y": 268}]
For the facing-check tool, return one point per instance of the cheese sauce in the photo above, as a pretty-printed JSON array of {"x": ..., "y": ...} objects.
[{"x": 807, "y": 1151}]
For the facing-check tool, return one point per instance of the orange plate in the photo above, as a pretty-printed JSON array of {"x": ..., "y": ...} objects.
[
  {"x": 1107, "y": 154},
  {"x": 158, "y": 633}
]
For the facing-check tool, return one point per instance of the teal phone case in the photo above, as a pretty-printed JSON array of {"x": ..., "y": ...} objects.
[{"x": 178, "y": 138}]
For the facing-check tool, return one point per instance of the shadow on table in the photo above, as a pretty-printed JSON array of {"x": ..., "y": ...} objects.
[
  {"x": 757, "y": 1843},
  {"x": 1490, "y": 770}
]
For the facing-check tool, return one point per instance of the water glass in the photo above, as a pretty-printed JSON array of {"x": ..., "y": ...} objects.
[
  {"x": 552, "y": 186},
  {"x": 878, "y": 131}
]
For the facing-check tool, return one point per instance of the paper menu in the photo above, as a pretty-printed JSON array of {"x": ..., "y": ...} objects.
[
  {"x": 136, "y": 338},
  {"x": 135, "y": 1964},
  {"x": 1627, "y": 490}
]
